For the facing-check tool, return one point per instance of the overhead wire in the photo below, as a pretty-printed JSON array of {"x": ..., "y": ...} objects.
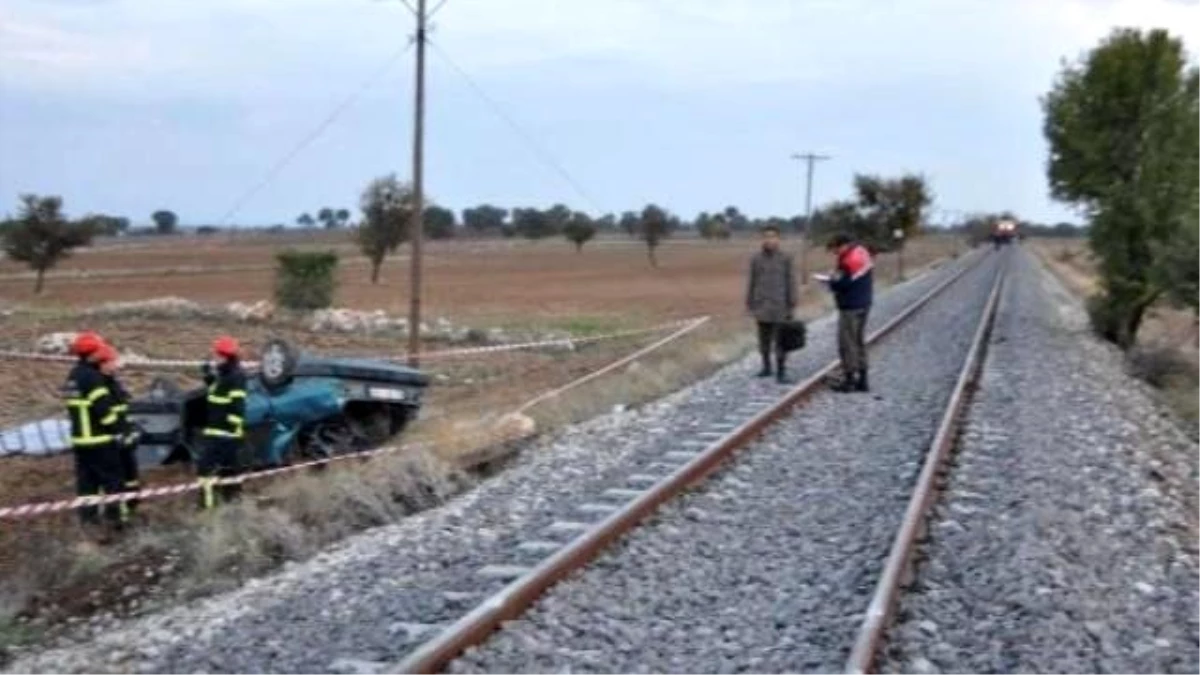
[
  {"x": 316, "y": 133},
  {"x": 542, "y": 154}
]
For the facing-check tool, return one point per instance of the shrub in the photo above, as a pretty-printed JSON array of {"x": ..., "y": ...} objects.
[{"x": 305, "y": 280}]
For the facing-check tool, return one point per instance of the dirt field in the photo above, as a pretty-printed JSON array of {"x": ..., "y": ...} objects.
[
  {"x": 475, "y": 284},
  {"x": 1167, "y": 342},
  {"x": 609, "y": 286}
]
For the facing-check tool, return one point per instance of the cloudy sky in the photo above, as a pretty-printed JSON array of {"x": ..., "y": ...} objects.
[{"x": 125, "y": 106}]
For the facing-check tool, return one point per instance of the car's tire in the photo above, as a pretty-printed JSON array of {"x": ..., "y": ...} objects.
[
  {"x": 163, "y": 390},
  {"x": 277, "y": 364}
]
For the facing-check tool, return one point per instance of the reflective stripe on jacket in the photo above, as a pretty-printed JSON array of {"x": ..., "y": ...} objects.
[
  {"x": 226, "y": 403},
  {"x": 90, "y": 407}
]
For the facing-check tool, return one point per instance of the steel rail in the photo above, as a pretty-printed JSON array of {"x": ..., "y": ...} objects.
[
  {"x": 883, "y": 602},
  {"x": 511, "y": 601}
]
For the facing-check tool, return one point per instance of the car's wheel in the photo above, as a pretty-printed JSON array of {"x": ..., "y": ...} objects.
[{"x": 277, "y": 364}]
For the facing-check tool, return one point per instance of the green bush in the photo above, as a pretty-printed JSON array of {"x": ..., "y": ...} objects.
[{"x": 305, "y": 280}]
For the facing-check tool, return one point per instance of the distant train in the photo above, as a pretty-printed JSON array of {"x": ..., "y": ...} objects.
[{"x": 1004, "y": 232}]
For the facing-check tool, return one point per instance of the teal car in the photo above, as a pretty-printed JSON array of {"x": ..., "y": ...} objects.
[{"x": 298, "y": 407}]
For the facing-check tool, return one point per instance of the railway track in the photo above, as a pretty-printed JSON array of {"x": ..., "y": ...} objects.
[
  {"x": 626, "y": 508},
  {"x": 771, "y": 561},
  {"x": 378, "y": 596}
]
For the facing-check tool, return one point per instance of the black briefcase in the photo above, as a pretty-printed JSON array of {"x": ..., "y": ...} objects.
[{"x": 792, "y": 335}]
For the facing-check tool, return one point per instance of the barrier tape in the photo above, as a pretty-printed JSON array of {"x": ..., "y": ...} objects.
[
  {"x": 141, "y": 362},
  {"x": 42, "y": 508},
  {"x": 35, "y": 509}
]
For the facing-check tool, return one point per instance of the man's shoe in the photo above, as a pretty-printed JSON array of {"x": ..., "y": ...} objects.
[
  {"x": 765, "y": 372},
  {"x": 861, "y": 384},
  {"x": 846, "y": 385},
  {"x": 783, "y": 378}
]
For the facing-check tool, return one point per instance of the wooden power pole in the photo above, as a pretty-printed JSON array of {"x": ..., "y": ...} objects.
[
  {"x": 417, "y": 223},
  {"x": 805, "y": 243}
]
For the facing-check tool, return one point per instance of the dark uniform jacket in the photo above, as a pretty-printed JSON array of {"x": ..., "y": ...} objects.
[
  {"x": 771, "y": 291},
  {"x": 226, "y": 402},
  {"x": 121, "y": 399},
  {"x": 90, "y": 406},
  {"x": 852, "y": 284}
]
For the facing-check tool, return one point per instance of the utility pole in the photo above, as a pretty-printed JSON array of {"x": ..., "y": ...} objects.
[
  {"x": 809, "y": 158},
  {"x": 417, "y": 222}
]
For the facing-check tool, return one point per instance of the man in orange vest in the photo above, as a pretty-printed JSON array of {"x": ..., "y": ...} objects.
[{"x": 852, "y": 289}]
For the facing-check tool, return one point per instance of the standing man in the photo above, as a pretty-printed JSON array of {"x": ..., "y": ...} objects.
[
  {"x": 224, "y": 429},
  {"x": 851, "y": 284},
  {"x": 771, "y": 299},
  {"x": 127, "y": 436},
  {"x": 93, "y": 430}
]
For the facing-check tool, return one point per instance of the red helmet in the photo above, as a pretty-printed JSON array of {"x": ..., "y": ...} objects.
[
  {"x": 225, "y": 346},
  {"x": 86, "y": 343},
  {"x": 104, "y": 354}
]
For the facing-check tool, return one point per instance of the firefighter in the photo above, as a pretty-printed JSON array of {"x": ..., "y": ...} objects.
[
  {"x": 90, "y": 408},
  {"x": 224, "y": 429},
  {"x": 127, "y": 435}
]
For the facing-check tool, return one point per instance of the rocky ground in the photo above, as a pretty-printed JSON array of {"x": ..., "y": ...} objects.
[
  {"x": 1065, "y": 540},
  {"x": 767, "y": 566},
  {"x": 367, "y": 602}
]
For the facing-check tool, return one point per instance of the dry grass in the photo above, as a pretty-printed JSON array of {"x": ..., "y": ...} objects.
[
  {"x": 54, "y": 570},
  {"x": 178, "y": 551},
  {"x": 1166, "y": 356}
]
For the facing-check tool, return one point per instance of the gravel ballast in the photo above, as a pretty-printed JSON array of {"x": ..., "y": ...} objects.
[
  {"x": 368, "y": 601},
  {"x": 768, "y": 565},
  {"x": 1065, "y": 539}
]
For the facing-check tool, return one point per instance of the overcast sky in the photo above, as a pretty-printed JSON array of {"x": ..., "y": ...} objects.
[{"x": 125, "y": 106}]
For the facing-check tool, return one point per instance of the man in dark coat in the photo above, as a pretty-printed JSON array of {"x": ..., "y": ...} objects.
[
  {"x": 771, "y": 299},
  {"x": 851, "y": 284}
]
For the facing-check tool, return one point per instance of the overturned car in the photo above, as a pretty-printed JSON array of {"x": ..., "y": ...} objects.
[{"x": 298, "y": 407}]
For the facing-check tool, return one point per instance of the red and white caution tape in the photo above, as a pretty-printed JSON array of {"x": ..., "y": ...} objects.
[
  {"x": 689, "y": 327},
  {"x": 35, "y": 509},
  {"x": 570, "y": 342},
  {"x": 43, "y": 508}
]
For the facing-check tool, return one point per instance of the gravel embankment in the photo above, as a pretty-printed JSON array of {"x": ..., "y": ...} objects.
[
  {"x": 1065, "y": 539},
  {"x": 370, "y": 600},
  {"x": 768, "y": 566}
]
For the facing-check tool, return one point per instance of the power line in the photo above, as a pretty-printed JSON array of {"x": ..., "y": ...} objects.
[
  {"x": 499, "y": 111},
  {"x": 810, "y": 158},
  {"x": 316, "y": 133}
]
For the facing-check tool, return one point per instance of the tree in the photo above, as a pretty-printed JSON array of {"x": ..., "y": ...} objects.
[
  {"x": 484, "y": 219},
  {"x": 891, "y": 204},
  {"x": 579, "y": 229},
  {"x": 105, "y": 226},
  {"x": 532, "y": 223},
  {"x": 702, "y": 225},
  {"x": 305, "y": 220},
  {"x": 40, "y": 236},
  {"x": 165, "y": 221},
  {"x": 325, "y": 217},
  {"x": 711, "y": 226},
  {"x": 342, "y": 216},
  {"x": 557, "y": 217},
  {"x": 439, "y": 222},
  {"x": 630, "y": 223},
  {"x": 655, "y": 224},
  {"x": 735, "y": 220},
  {"x": 607, "y": 223},
  {"x": 305, "y": 280},
  {"x": 387, "y": 206},
  {"x": 1177, "y": 270},
  {"x": 1122, "y": 125},
  {"x": 840, "y": 216}
]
